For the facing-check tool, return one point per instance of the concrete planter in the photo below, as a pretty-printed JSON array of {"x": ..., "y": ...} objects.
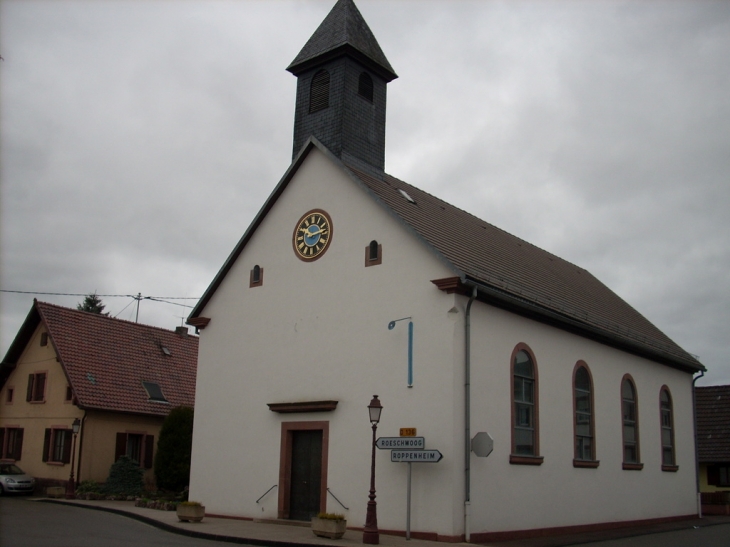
[
  {"x": 329, "y": 528},
  {"x": 190, "y": 513}
]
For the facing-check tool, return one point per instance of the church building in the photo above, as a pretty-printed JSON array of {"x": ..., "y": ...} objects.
[{"x": 350, "y": 282}]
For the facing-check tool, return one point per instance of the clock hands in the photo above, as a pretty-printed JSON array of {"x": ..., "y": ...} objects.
[{"x": 307, "y": 233}]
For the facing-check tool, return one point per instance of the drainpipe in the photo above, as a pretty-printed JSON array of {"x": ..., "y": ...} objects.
[
  {"x": 467, "y": 417},
  {"x": 697, "y": 455}
]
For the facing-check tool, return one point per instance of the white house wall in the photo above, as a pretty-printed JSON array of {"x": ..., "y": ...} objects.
[
  {"x": 318, "y": 331},
  {"x": 516, "y": 497}
]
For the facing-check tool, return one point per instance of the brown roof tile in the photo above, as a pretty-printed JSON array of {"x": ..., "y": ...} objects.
[
  {"x": 493, "y": 258},
  {"x": 106, "y": 360},
  {"x": 712, "y": 404}
]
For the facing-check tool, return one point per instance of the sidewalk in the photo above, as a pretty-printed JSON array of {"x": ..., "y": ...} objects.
[{"x": 282, "y": 534}]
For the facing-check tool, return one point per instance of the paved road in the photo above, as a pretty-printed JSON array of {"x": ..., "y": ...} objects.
[
  {"x": 25, "y": 523},
  {"x": 708, "y": 536}
]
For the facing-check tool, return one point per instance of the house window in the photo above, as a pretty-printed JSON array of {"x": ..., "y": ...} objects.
[
  {"x": 257, "y": 276},
  {"x": 139, "y": 447},
  {"x": 525, "y": 436},
  {"x": 373, "y": 254},
  {"x": 44, "y": 339},
  {"x": 11, "y": 443},
  {"x": 365, "y": 86},
  {"x": 36, "y": 387},
  {"x": 630, "y": 416},
  {"x": 9, "y": 394},
  {"x": 319, "y": 94},
  {"x": 69, "y": 394},
  {"x": 718, "y": 475},
  {"x": 154, "y": 392},
  {"x": 667, "y": 424},
  {"x": 57, "y": 445},
  {"x": 585, "y": 451}
]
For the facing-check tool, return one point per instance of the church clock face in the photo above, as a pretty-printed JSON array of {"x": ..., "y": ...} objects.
[{"x": 312, "y": 235}]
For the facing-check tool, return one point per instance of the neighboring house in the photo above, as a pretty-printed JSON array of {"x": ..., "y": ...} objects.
[
  {"x": 120, "y": 379},
  {"x": 713, "y": 437},
  {"x": 588, "y": 403}
]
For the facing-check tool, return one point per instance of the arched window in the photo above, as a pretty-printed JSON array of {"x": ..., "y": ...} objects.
[
  {"x": 585, "y": 445},
  {"x": 630, "y": 417},
  {"x": 373, "y": 254},
  {"x": 365, "y": 86},
  {"x": 257, "y": 276},
  {"x": 319, "y": 93},
  {"x": 667, "y": 424},
  {"x": 525, "y": 431}
]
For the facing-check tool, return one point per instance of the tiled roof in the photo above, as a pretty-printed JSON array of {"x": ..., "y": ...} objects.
[
  {"x": 712, "y": 405},
  {"x": 343, "y": 29},
  {"x": 490, "y": 257},
  {"x": 106, "y": 360}
]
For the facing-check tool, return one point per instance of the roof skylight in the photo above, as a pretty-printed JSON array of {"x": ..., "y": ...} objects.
[
  {"x": 154, "y": 391},
  {"x": 405, "y": 195}
]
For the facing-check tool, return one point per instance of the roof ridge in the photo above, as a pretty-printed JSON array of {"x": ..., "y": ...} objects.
[
  {"x": 143, "y": 326},
  {"x": 532, "y": 245}
]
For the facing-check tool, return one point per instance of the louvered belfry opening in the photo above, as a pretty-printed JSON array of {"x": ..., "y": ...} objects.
[
  {"x": 319, "y": 96},
  {"x": 365, "y": 86}
]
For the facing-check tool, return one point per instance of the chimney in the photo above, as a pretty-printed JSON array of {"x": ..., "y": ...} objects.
[{"x": 181, "y": 331}]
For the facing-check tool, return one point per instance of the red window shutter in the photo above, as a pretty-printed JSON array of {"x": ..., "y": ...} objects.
[
  {"x": 29, "y": 394},
  {"x": 18, "y": 444},
  {"x": 121, "y": 448},
  {"x": 46, "y": 444},
  {"x": 68, "y": 437},
  {"x": 149, "y": 449},
  {"x": 2, "y": 445}
]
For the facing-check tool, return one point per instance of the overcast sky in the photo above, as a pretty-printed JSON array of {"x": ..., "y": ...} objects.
[{"x": 139, "y": 139}]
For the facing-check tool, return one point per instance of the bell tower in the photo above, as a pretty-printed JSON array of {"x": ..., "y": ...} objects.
[{"x": 342, "y": 76}]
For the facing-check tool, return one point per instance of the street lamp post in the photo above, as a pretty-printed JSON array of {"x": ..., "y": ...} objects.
[
  {"x": 71, "y": 485},
  {"x": 370, "y": 534}
]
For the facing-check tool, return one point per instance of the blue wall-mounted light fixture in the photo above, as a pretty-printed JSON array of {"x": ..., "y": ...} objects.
[{"x": 391, "y": 326}]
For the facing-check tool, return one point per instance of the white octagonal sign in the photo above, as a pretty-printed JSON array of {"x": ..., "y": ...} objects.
[{"x": 482, "y": 444}]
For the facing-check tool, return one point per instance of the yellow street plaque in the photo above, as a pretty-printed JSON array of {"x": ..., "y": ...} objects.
[{"x": 407, "y": 431}]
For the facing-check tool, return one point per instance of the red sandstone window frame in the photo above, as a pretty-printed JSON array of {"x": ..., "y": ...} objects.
[
  {"x": 579, "y": 459},
  {"x": 630, "y": 419},
  {"x": 666, "y": 425},
  {"x": 534, "y": 405}
]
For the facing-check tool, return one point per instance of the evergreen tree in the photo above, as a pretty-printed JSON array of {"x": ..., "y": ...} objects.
[
  {"x": 172, "y": 462},
  {"x": 93, "y": 304}
]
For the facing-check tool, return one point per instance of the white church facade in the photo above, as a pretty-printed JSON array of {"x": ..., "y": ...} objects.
[{"x": 588, "y": 403}]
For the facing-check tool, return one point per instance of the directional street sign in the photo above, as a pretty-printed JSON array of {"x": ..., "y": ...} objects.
[
  {"x": 390, "y": 443},
  {"x": 420, "y": 456}
]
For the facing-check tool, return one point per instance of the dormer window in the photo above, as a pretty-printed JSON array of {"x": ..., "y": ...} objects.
[
  {"x": 154, "y": 392},
  {"x": 319, "y": 95},
  {"x": 373, "y": 254},
  {"x": 257, "y": 276},
  {"x": 365, "y": 86}
]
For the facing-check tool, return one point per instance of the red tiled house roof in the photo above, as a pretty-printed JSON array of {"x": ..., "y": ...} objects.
[
  {"x": 712, "y": 407},
  {"x": 508, "y": 272},
  {"x": 106, "y": 359}
]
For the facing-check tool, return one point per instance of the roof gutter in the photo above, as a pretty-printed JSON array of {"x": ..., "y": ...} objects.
[{"x": 697, "y": 450}]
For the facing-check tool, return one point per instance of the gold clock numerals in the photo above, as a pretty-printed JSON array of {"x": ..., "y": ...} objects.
[{"x": 312, "y": 235}]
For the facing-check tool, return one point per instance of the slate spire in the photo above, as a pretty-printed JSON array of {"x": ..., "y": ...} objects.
[
  {"x": 343, "y": 31},
  {"x": 342, "y": 76}
]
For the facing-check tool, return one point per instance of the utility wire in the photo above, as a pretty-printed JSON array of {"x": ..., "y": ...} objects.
[{"x": 135, "y": 296}]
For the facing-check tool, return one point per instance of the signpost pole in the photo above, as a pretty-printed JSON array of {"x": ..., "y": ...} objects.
[{"x": 408, "y": 511}]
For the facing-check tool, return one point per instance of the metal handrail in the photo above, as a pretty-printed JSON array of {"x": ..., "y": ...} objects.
[
  {"x": 338, "y": 501},
  {"x": 269, "y": 490}
]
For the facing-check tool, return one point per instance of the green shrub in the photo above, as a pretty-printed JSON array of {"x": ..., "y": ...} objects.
[
  {"x": 331, "y": 516},
  {"x": 125, "y": 478},
  {"x": 88, "y": 486},
  {"x": 172, "y": 462}
]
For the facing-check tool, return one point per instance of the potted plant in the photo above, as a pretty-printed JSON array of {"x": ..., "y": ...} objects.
[
  {"x": 190, "y": 511},
  {"x": 329, "y": 525}
]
